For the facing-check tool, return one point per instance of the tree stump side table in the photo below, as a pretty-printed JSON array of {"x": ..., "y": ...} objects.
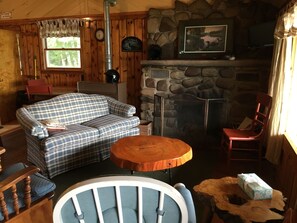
[{"x": 230, "y": 203}]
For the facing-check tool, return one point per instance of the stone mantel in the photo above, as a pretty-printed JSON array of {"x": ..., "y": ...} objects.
[{"x": 207, "y": 63}]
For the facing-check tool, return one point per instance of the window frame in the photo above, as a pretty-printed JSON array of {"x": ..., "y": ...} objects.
[{"x": 60, "y": 69}]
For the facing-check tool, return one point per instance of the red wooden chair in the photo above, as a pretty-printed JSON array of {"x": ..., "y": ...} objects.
[
  {"x": 36, "y": 82},
  {"x": 37, "y": 88},
  {"x": 250, "y": 139}
]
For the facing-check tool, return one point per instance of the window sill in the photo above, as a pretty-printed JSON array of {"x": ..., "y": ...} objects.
[{"x": 63, "y": 71}]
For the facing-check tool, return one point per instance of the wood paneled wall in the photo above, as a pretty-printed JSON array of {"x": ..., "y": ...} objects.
[
  {"x": 10, "y": 80},
  {"x": 93, "y": 54}
]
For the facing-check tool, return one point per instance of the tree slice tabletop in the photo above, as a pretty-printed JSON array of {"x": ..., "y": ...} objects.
[
  {"x": 150, "y": 153},
  {"x": 230, "y": 202}
]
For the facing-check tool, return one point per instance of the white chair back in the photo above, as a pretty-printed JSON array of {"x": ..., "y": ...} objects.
[{"x": 122, "y": 199}]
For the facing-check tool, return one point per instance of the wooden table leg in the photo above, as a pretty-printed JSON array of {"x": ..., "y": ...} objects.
[{"x": 169, "y": 174}]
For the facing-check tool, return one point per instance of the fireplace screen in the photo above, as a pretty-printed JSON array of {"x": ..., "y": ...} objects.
[{"x": 187, "y": 117}]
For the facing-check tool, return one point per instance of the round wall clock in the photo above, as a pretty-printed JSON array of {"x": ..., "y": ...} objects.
[{"x": 99, "y": 34}]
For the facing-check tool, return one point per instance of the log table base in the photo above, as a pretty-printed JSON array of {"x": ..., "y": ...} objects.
[
  {"x": 231, "y": 203},
  {"x": 150, "y": 153}
]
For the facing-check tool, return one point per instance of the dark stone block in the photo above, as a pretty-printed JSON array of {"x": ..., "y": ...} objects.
[
  {"x": 207, "y": 84},
  {"x": 176, "y": 89},
  {"x": 193, "y": 72},
  {"x": 162, "y": 85},
  {"x": 180, "y": 6},
  {"x": 149, "y": 82},
  {"x": 227, "y": 73},
  {"x": 191, "y": 82},
  {"x": 167, "y": 25},
  {"x": 168, "y": 51},
  {"x": 201, "y": 6}
]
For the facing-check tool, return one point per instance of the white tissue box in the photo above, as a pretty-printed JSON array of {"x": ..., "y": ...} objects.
[{"x": 254, "y": 186}]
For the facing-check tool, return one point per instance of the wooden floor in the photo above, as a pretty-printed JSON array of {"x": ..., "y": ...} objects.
[
  {"x": 206, "y": 163},
  {"x": 213, "y": 164}
]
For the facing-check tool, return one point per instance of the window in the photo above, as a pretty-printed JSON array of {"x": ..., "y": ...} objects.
[
  {"x": 290, "y": 89},
  {"x": 283, "y": 85},
  {"x": 62, "y": 52}
]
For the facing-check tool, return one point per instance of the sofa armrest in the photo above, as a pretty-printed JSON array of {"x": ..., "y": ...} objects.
[
  {"x": 30, "y": 124},
  {"x": 120, "y": 108}
]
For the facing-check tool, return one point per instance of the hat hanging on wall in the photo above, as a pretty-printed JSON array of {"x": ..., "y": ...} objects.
[{"x": 131, "y": 44}]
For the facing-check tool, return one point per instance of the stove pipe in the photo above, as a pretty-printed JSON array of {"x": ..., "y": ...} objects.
[{"x": 108, "y": 47}]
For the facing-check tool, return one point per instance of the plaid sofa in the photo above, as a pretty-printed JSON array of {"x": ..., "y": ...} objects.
[{"x": 94, "y": 122}]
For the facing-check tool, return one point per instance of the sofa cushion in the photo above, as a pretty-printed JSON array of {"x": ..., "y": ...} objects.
[
  {"x": 110, "y": 124},
  {"x": 72, "y": 108},
  {"x": 73, "y": 136}
]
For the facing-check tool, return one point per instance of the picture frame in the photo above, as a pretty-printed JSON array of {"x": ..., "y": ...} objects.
[{"x": 205, "y": 38}]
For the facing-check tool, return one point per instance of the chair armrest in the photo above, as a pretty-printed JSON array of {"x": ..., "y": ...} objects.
[
  {"x": 188, "y": 199},
  {"x": 9, "y": 185},
  {"x": 17, "y": 177},
  {"x": 119, "y": 108},
  {"x": 18, "y": 190},
  {"x": 30, "y": 124}
]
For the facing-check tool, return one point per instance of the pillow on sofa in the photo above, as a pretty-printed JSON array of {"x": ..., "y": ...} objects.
[{"x": 53, "y": 124}]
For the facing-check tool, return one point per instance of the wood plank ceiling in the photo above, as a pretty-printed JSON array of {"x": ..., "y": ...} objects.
[{"x": 28, "y": 9}]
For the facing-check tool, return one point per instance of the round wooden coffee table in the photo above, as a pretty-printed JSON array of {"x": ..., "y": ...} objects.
[{"x": 150, "y": 153}]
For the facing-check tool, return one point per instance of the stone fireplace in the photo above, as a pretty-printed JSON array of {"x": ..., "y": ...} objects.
[
  {"x": 197, "y": 96},
  {"x": 176, "y": 93}
]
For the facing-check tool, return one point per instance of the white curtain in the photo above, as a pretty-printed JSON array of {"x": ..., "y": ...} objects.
[
  {"x": 60, "y": 27},
  {"x": 283, "y": 84}
]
